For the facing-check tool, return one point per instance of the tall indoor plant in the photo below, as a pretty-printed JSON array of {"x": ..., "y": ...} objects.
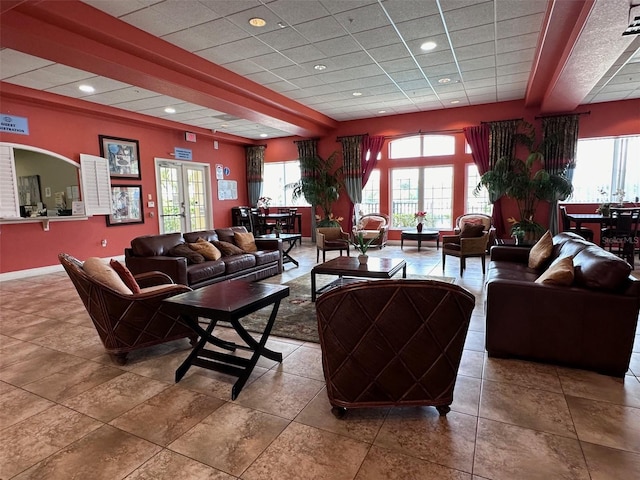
[
  {"x": 322, "y": 189},
  {"x": 527, "y": 182}
]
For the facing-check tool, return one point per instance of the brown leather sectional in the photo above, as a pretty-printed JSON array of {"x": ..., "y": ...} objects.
[
  {"x": 590, "y": 324},
  {"x": 150, "y": 253}
]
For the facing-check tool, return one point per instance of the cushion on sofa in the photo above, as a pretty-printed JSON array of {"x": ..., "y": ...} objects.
[
  {"x": 183, "y": 250},
  {"x": 245, "y": 241},
  {"x": 101, "y": 271},
  {"x": 205, "y": 271},
  {"x": 208, "y": 235},
  {"x": 264, "y": 257},
  {"x": 541, "y": 251},
  {"x": 227, "y": 234},
  {"x": 560, "y": 272},
  {"x": 206, "y": 249},
  {"x": 598, "y": 269},
  {"x": 471, "y": 230},
  {"x": 237, "y": 263},
  {"x": 227, "y": 248},
  {"x": 372, "y": 223},
  {"x": 125, "y": 275}
]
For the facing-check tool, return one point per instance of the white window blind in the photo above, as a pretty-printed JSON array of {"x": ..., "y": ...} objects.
[
  {"x": 96, "y": 185},
  {"x": 9, "y": 205}
]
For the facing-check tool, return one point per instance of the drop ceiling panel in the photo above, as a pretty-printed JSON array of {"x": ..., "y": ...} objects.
[
  {"x": 469, "y": 17},
  {"x": 479, "y": 34},
  {"x": 207, "y": 35},
  {"x": 338, "y": 46},
  {"x": 377, "y": 37},
  {"x": 406, "y": 10},
  {"x": 422, "y": 29},
  {"x": 304, "y": 53},
  {"x": 295, "y": 12},
  {"x": 509, "y": 9},
  {"x": 362, "y": 19},
  {"x": 271, "y": 61},
  {"x": 283, "y": 39},
  {"x": 321, "y": 29},
  {"x": 234, "y": 51},
  {"x": 118, "y": 9},
  {"x": 14, "y": 63},
  {"x": 519, "y": 26}
]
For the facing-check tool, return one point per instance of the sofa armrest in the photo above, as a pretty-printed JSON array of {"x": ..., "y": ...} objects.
[
  {"x": 510, "y": 254},
  {"x": 174, "y": 267},
  {"x": 269, "y": 244}
]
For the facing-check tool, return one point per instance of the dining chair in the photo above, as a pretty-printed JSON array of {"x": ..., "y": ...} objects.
[
  {"x": 584, "y": 232},
  {"x": 621, "y": 235}
]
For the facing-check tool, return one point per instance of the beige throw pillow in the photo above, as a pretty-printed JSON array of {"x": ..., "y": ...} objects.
[
  {"x": 227, "y": 248},
  {"x": 206, "y": 249},
  {"x": 245, "y": 241},
  {"x": 560, "y": 272},
  {"x": 101, "y": 271},
  {"x": 541, "y": 251}
]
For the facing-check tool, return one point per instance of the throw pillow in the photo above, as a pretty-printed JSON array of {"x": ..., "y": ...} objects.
[
  {"x": 227, "y": 248},
  {"x": 206, "y": 249},
  {"x": 372, "y": 224},
  {"x": 125, "y": 274},
  {"x": 101, "y": 271},
  {"x": 541, "y": 251},
  {"x": 470, "y": 230},
  {"x": 245, "y": 241},
  {"x": 183, "y": 250},
  {"x": 560, "y": 272}
]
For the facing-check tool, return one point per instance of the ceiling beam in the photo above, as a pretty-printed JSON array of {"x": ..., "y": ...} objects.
[{"x": 75, "y": 34}]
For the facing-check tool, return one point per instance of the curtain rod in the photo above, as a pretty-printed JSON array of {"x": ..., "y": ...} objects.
[
  {"x": 507, "y": 120},
  {"x": 346, "y": 136},
  {"x": 420, "y": 132},
  {"x": 563, "y": 114}
]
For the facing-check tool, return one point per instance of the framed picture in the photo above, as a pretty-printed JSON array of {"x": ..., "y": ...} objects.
[
  {"x": 123, "y": 155},
  {"x": 126, "y": 205}
]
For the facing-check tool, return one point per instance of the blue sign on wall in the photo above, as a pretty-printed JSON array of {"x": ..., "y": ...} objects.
[
  {"x": 12, "y": 124},
  {"x": 182, "y": 154}
]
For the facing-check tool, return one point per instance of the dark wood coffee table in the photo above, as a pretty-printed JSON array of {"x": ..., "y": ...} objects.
[
  {"x": 351, "y": 267},
  {"x": 228, "y": 302},
  {"x": 289, "y": 238},
  {"x": 414, "y": 234}
]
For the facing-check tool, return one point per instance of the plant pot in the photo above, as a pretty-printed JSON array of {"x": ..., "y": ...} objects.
[
  {"x": 419, "y": 227},
  {"x": 363, "y": 259}
]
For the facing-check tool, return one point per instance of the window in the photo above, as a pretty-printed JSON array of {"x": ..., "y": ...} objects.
[
  {"x": 422, "y": 146},
  {"x": 278, "y": 178},
  {"x": 607, "y": 164},
  {"x": 371, "y": 194},
  {"x": 428, "y": 189},
  {"x": 476, "y": 203}
]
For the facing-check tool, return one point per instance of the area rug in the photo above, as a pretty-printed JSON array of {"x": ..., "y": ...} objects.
[{"x": 297, "y": 313}]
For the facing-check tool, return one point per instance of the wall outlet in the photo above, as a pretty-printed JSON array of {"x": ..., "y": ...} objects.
[{"x": 104, "y": 242}]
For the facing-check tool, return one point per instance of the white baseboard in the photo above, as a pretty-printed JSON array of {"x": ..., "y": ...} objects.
[{"x": 34, "y": 272}]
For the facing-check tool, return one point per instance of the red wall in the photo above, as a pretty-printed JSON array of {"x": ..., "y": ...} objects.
[{"x": 70, "y": 133}]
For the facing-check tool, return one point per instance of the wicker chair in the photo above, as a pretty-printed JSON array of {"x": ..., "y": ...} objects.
[
  {"x": 392, "y": 342},
  {"x": 129, "y": 322},
  {"x": 373, "y": 225}
]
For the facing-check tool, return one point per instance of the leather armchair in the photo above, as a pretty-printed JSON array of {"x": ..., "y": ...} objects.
[
  {"x": 373, "y": 225},
  {"x": 129, "y": 322},
  {"x": 331, "y": 239},
  {"x": 392, "y": 342}
]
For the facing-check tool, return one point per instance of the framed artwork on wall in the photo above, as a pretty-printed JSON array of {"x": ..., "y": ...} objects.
[
  {"x": 123, "y": 155},
  {"x": 126, "y": 205}
]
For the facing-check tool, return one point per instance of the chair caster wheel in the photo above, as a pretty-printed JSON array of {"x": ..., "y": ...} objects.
[
  {"x": 339, "y": 412},
  {"x": 443, "y": 409}
]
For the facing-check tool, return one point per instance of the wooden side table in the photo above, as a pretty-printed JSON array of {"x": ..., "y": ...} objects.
[{"x": 414, "y": 234}]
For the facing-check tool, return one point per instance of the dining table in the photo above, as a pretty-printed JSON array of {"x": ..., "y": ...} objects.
[
  {"x": 580, "y": 218},
  {"x": 283, "y": 216}
]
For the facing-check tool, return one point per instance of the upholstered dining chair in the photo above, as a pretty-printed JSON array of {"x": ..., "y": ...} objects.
[
  {"x": 392, "y": 342},
  {"x": 472, "y": 241},
  {"x": 330, "y": 239},
  {"x": 584, "y": 232},
  {"x": 621, "y": 235},
  {"x": 127, "y": 321}
]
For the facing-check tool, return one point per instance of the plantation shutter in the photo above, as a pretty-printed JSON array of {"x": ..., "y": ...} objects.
[
  {"x": 96, "y": 185},
  {"x": 9, "y": 204}
]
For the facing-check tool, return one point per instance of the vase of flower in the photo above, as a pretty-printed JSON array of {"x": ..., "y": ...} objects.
[
  {"x": 419, "y": 216},
  {"x": 419, "y": 227}
]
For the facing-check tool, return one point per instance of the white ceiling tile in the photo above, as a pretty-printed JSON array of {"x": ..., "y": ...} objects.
[
  {"x": 403, "y": 10},
  {"x": 507, "y": 9},
  {"x": 481, "y": 91},
  {"x": 364, "y": 18},
  {"x": 469, "y": 17},
  {"x": 477, "y": 64},
  {"x": 474, "y": 51},
  {"x": 263, "y": 78},
  {"x": 294, "y": 72},
  {"x": 271, "y": 61},
  {"x": 294, "y": 11},
  {"x": 118, "y": 9},
  {"x": 304, "y": 53},
  {"x": 309, "y": 81},
  {"x": 389, "y": 52},
  {"x": 407, "y": 75},
  {"x": 361, "y": 83},
  {"x": 516, "y": 57},
  {"x": 121, "y": 96},
  {"x": 471, "y": 36},
  {"x": 337, "y": 6},
  {"x": 514, "y": 68},
  {"x": 152, "y": 21},
  {"x": 242, "y": 67},
  {"x": 283, "y": 38},
  {"x": 414, "y": 84},
  {"x": 484, "y": 98},
  {"x": 448, "y": 5},
  {"x": 207, "y": 35},
  {"x": 517, "y": 77},
  {"x": 377, "y": 37},
  {"x": 423, "y": 28},
  {"x": 519, "y": 26},
  {"x": 15, "y": 63},
  {"x": 521, "y": 42},
  {"x": 505, "y": 97},
  {"x": 481, "y": 82},
  {"x": 241, "y": 19},
  {"x": 321, "y": 29},
  {"x": 445, "y": 70},
  {"x": 398, "y": 65},
  {"x": 338, "y": 46},
  {"x": 148, "y": 103},
  {"x": 234, "y": 51}
]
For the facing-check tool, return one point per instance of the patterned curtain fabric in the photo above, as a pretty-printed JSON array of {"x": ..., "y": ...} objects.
[
  {"x": 255, "y": 172},
  {"x": 307, "y": 153},
  {"x": 502, "y": 143},
  {"x": 352, "y": 166},
  {"x": 561, "y": 143}
]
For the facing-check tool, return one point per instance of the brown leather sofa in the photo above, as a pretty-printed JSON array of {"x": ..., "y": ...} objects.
[
  {"x": 151, "y": 253},
  {"x": 392, "y": 342},
  {"x": 590, "y": 324}
]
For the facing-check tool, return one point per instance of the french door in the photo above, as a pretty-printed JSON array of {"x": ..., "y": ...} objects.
[{"x": 184, "y": 196}]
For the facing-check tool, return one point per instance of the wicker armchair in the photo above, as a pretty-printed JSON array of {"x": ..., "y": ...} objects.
[
  {"x": 392, "y": 342},
  {"x": 129, "y": 322},
  {"x": 373, "y": 225}
]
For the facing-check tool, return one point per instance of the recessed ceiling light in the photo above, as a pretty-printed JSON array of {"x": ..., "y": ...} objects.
[
  {"x": 264, "y": 135},
  {"x": 257, "y": 22},
  {"x": 455, "y": 101},
  {"x": 426, "y": 46},
  {"x": 444, "y": 80},
  {"x": 357, "y": 94},
  {"x": 382, "y": 111},
  {"x": 320, "y": 67},
  {"x": 170, "y": 110},
  {"x": 86, "y": 88}
]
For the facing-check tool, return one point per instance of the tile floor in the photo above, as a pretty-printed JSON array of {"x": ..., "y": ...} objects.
[{"x": 67, "y": 412}]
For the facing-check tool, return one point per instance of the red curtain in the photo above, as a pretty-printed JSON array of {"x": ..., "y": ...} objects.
[
  {"x": 373, "y": 145},
  {"x": 478, "y": 140}
]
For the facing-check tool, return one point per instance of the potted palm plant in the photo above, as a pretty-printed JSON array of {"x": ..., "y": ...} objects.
[
  {"x": 362, "y": 246},
  {"x": 528, "y": 183}
]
